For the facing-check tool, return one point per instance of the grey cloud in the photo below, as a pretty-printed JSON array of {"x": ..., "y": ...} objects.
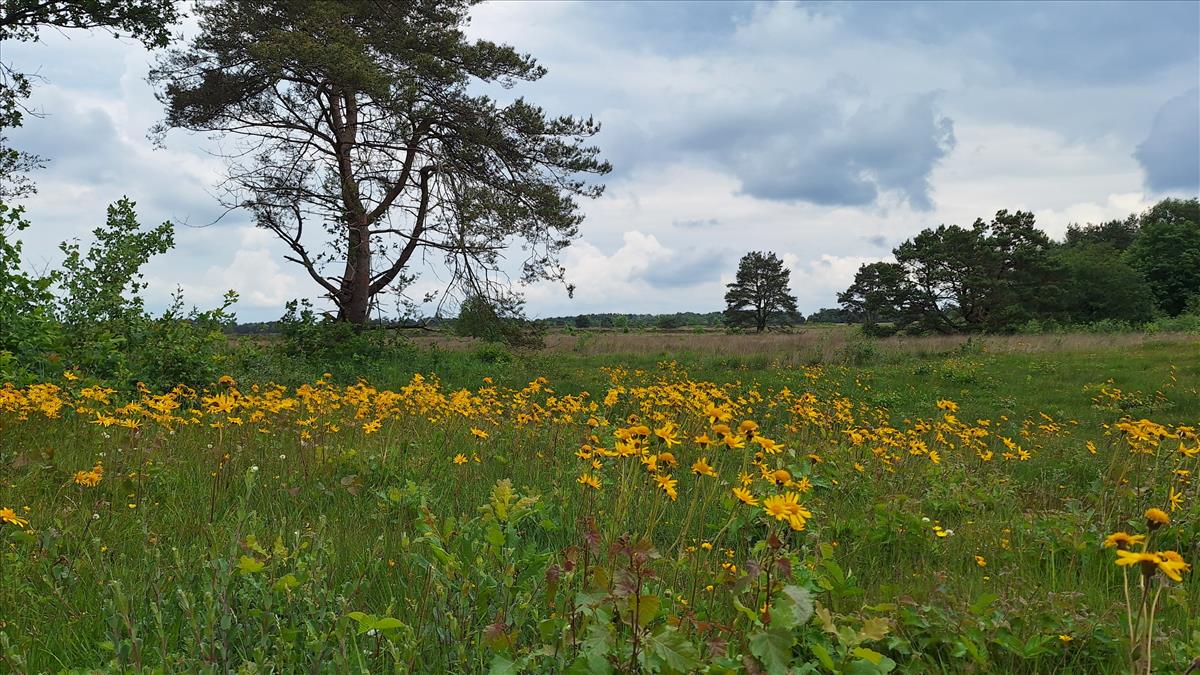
[
  {"x": 696, "y": 224},
  {"x": 687, "y": 268},
  {"x": 878, "y": 240},
  {"x": 85, "y": 148},
  {"x": 1048, "y": 41},
  {"x": 805, "y": 149},
  {"x": 1170, "y": 155}
]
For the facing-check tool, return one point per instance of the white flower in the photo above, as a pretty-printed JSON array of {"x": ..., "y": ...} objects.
[
  {"x": 254, "y": 468},
  {"x": 949, "y": 532},
  {"x": 925, "y": 520}
]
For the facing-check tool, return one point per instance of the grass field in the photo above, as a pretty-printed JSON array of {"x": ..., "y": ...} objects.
[{"x": 616, "y": 503}]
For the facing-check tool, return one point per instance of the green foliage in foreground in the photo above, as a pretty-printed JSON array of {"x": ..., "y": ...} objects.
[
  {"x": 90, "y": 313},
  {"x": 377, "y": 552}
]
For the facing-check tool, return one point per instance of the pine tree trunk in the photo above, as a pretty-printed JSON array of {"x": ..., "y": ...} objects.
[{"x": 356, "y": 284}]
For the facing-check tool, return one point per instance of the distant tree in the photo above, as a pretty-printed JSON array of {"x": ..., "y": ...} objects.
[
  {"x": 22, "y": 20},
  {"x": 1100, "y": 285},
  {"x": 993, "y": 276},
  {"x": 479, "y": 317},
  {"x": 363, "y": 123},
  {"x": 582, "y": 321},
  {"x": 760, "y": 293},
  {"x": 1167, "y": 253},
  {"x": 833, "y": 315},
  {"x": 1119, "y": 234},
  {"x": 668, "y": 321}
]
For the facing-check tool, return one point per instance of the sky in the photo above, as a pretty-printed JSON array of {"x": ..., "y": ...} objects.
[{"x": 827, "y": 133}]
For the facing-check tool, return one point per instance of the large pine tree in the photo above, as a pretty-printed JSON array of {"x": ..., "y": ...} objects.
[
  {"x": 760, "y": 294},
  {"x": 364, "y": 141}
]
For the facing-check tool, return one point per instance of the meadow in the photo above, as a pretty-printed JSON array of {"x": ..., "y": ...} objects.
[{"x": 807, "y": 503}]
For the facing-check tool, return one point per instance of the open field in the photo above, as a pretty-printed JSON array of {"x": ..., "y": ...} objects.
[
  {"x": 820, "y": 344},
  {"x": 811, "y": 502}
]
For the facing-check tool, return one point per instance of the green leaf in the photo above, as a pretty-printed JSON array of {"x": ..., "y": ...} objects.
[
  {"x": 668, "y": 647},
  {"x": 502, "y": 665},
  {"x": 746, "y": 611},
  {"x": 248, "y": 565},
  {"x": 826, "y": 620},
  {"x": 869, "y": 654},
  {"x": 388, "y": 623},
  {"x": 874, "y": 628},
  {"x": 647, "y": 608},
  {"x": 773, "y": 647},
  {"x": 589, "y": 664},
  {"x": 983, "y": 602},
  {"x": 794, "y": 607},
  {"x": 494, "y": 535},
  {"x": 823, "y": 656},
  {"x": 287, "y": 583}
]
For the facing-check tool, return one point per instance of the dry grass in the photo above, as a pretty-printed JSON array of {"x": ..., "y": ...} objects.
[{"x": 823, "y": 344}]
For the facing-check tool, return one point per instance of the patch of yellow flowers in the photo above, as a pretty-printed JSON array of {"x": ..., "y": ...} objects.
[{"x": 762, "y": 447}]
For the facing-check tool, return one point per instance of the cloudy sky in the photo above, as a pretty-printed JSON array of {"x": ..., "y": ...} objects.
[{"x": 826, "y": 133}]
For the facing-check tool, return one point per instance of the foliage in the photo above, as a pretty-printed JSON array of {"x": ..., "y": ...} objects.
[
  {"x": 365, "y": 124},
  {"x": 97, "y": 320},
  {"x": 1100, "y": 285},
  {"x": 102, "y": 287},
  {"x": 482, "y": 318},
  {"x": 1005, "y": 275},
  {"x": 1167, "y": 253},
  {"x": 28, "y": 328},
  {"x": 833, "y": 315},
  {"x": 1119, "y": 234},
  {"x": 760, "y": 295},
  {"x": 991, "y": 277}
]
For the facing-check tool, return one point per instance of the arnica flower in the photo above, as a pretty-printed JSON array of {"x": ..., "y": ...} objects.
[
  {"x": 10, "y": 517},
  {"x": 667, "y": 484},
  {"x": 1147, "y": 560},
  {"x": 744, "y": 496},
  {"x": 90, "y": 478},
  {"x": 1123, "y": 541},
  {"x": 1171, "y": 564},
  {"x": 588, "y": 480},
  {"x": 669, "y": 434},
  {"x": 701, "y": 467},
  {"x": 981, "y": 561},
  {"x": 787, "y": 507},
  {"x": 479, "y": 433},
  {"x": 460, "y": 458},
  {"x": 748, "y": 427},
  {"x": 781, "y": 476},
  {"x": 1156, "y": 518}
]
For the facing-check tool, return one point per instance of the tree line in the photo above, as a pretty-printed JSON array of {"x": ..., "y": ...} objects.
[{"x": 1003, "y": 274}]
